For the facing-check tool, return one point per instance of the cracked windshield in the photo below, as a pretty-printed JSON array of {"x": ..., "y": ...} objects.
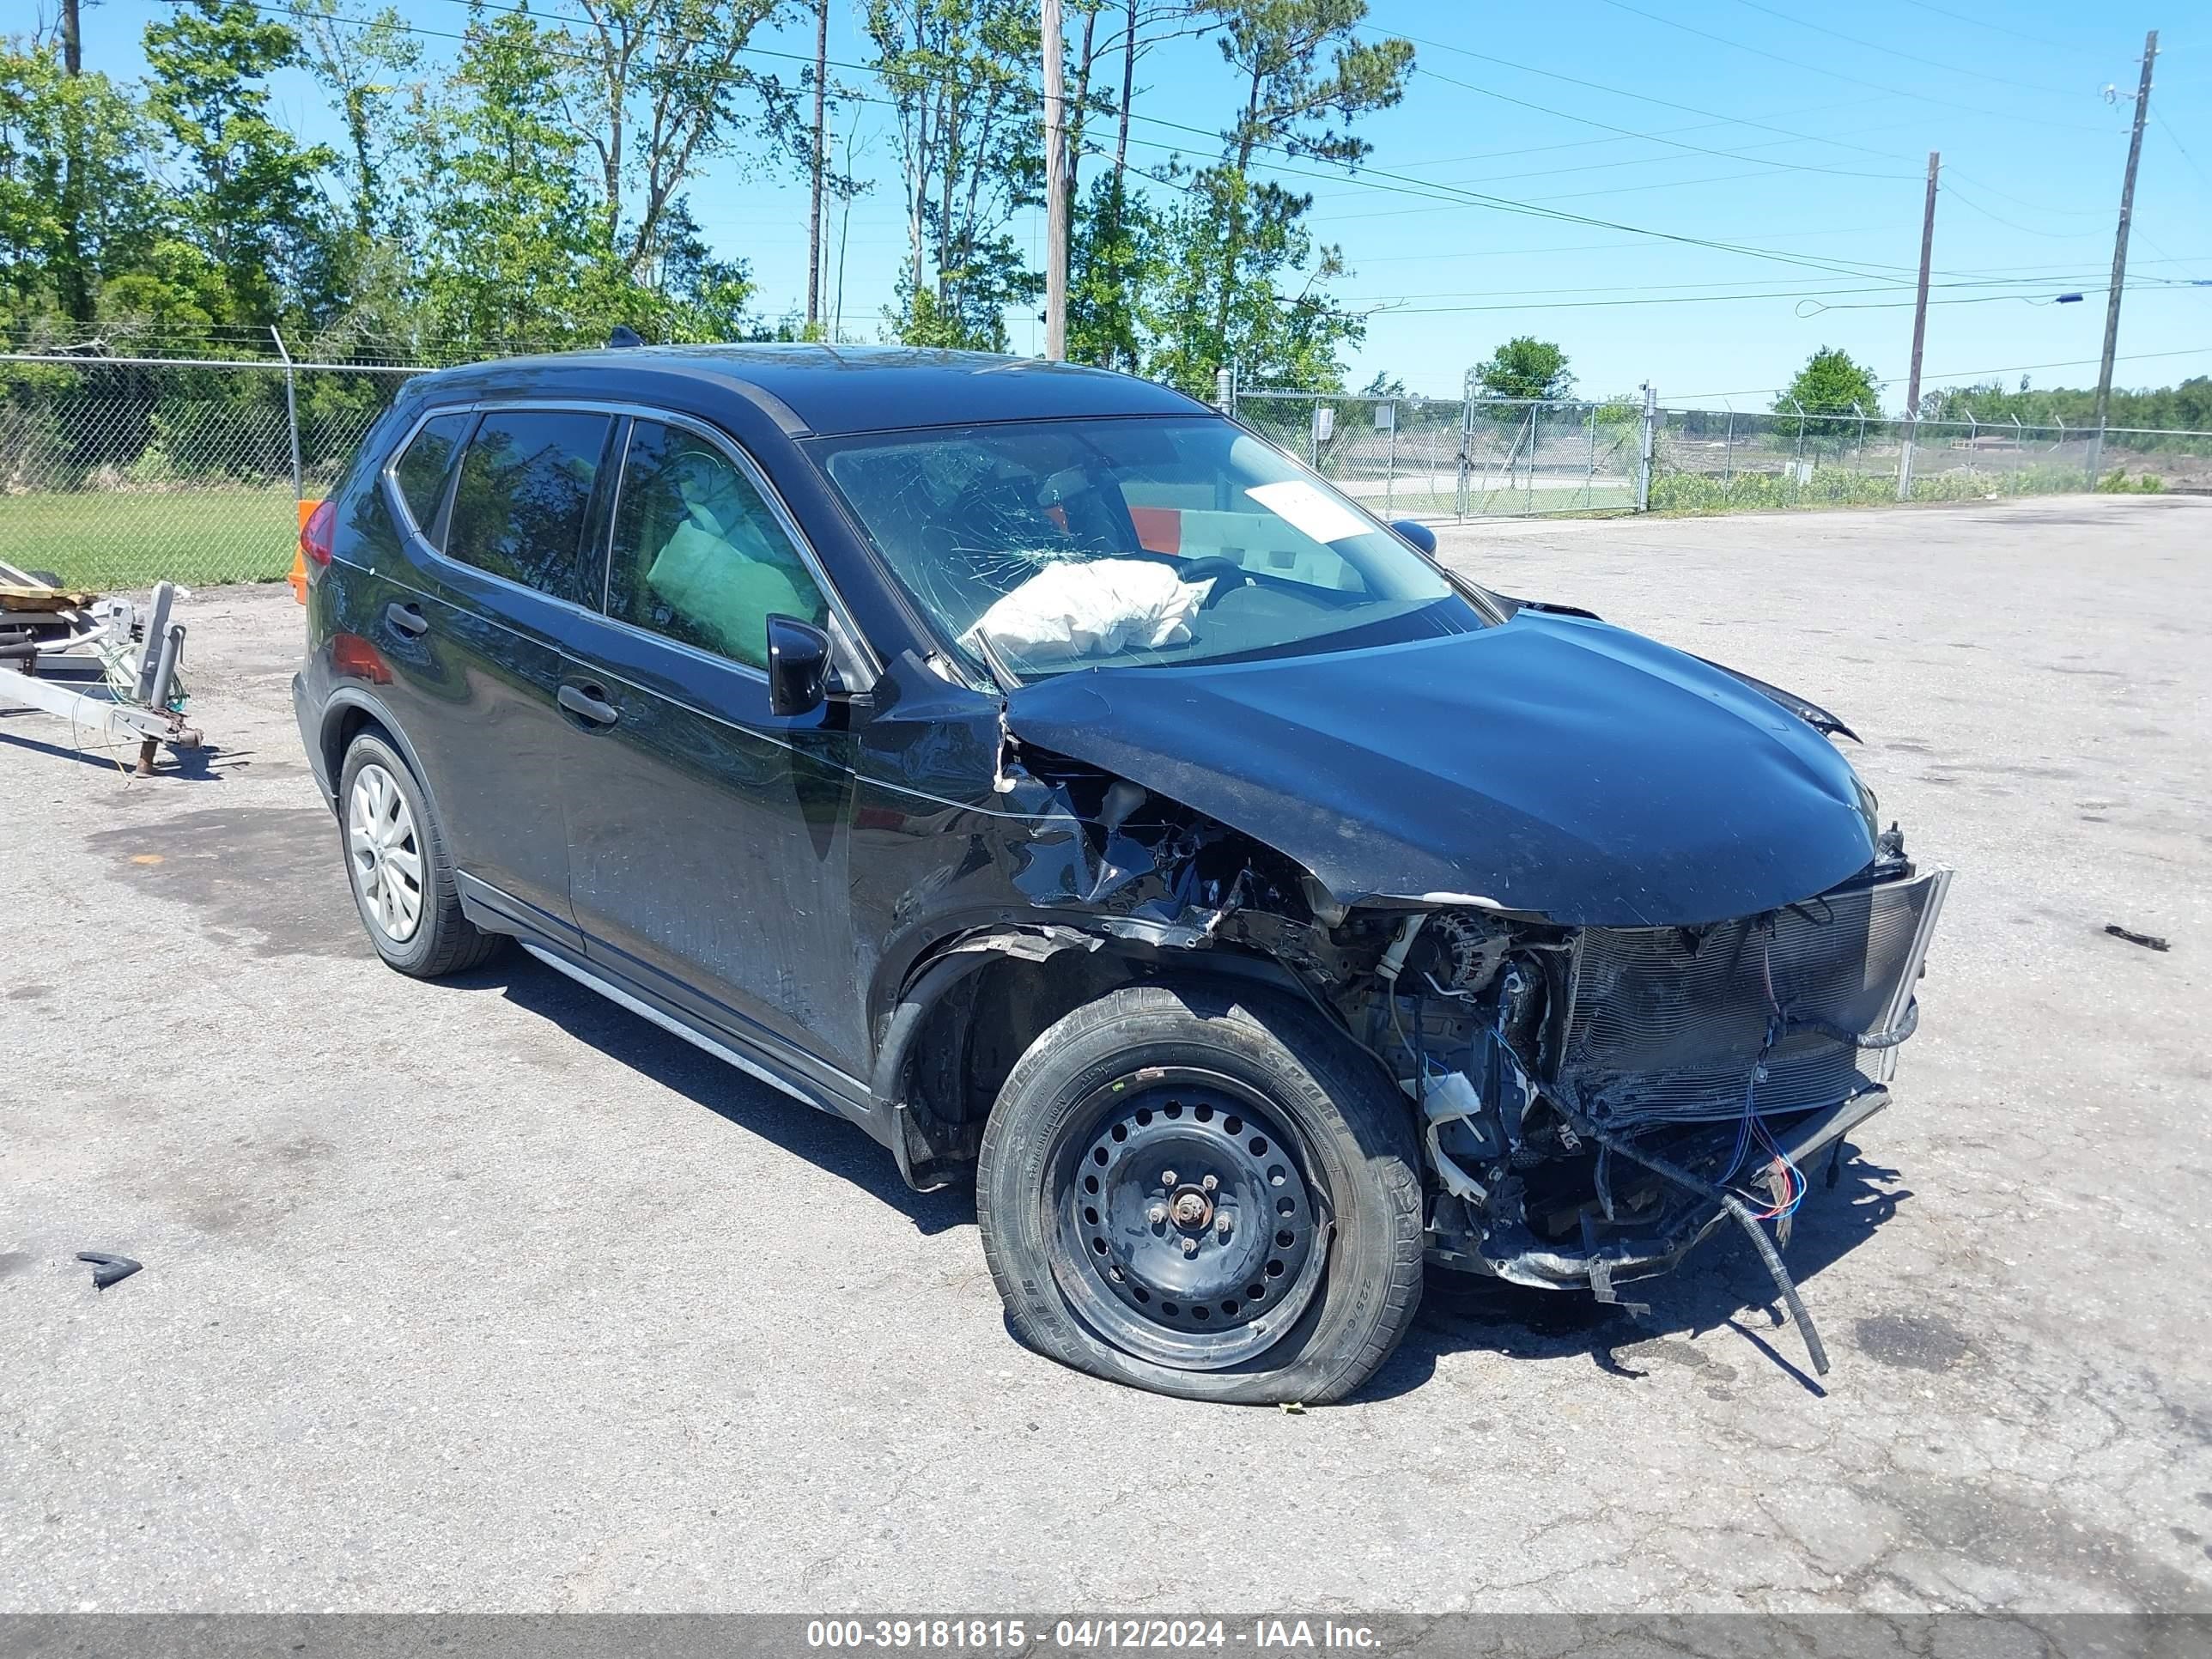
[{"x": 1043, "y": 546}]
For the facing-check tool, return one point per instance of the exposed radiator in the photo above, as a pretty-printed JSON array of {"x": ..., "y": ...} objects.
[{"x": 1667, "y": 1023}]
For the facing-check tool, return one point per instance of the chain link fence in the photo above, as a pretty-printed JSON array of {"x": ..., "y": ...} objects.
[
  {"x": 1487, "y": 457},
  {"x": 1709, "y": 460},
  {"x": 118, "y": 471}
]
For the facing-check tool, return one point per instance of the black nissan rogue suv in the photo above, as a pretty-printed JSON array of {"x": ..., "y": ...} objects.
[{"x": 1044, "y": 772}]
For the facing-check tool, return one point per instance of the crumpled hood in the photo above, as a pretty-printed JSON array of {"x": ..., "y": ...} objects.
[{"x": 1554, "y": 765}]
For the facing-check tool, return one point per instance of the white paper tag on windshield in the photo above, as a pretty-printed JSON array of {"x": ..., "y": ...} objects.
[{"x": 1306, "y": 509}]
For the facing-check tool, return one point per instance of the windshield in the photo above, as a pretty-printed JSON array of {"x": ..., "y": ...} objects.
[{"x": 1048, "y": 545}]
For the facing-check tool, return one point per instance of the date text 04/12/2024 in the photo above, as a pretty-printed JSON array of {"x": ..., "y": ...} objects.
[{"x": 1092, "y": 1634}]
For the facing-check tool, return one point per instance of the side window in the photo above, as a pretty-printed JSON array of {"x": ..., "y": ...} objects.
[
  {"x": 523, "y": 498},
  {"x": 697, "y": 555},
  {"x": 420, "y": 472}
]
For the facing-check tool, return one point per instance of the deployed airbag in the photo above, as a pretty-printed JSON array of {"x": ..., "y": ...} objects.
[{"x": 1076, "y": 609}]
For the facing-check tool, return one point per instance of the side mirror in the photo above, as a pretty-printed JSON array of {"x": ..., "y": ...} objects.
[
  {"x": 799, "y": 676},
  {"x": 1419, "y": 534}
]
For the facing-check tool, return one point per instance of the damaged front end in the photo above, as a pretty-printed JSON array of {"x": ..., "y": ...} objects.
[
  {"x": 1595, "y": 1101},
  {"x": 1630, "y": 998},
  {"x": 1592, "y": 1101}
]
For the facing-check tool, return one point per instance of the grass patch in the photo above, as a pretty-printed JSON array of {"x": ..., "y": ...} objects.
[{"x": 111, "y": 539}]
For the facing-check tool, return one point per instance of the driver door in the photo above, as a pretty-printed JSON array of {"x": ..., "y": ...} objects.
[{"x": 709, "y": 843}]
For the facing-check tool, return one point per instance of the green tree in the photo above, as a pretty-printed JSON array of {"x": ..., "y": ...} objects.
[
  {"x": 251, "y": 200},
  {"x": 657, "y": 88},
  {"x": 1384, "y": 385},
  {"x": 511, "y": 248},
  {"x": 1831, "y": 384},
  {"x": 1113, "y": 259},
  {"x": 1306, "y": 76},
  {"x": 962, "y": 75},
  {"x": 1278, "y": 340},
  {"x": 1526, "y": 367},
  {"x": 59, "y": 246},
  {"x": 364, "y": 66}
]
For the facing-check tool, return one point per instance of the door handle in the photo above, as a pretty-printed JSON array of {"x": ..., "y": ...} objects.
[
  {"x": 407, "y": 619},
  {"x": 590, "y": 703}
]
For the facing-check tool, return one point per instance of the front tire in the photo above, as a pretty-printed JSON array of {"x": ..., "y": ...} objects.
[
  {"x": 1204, "y": 1192},
  {"x": 396, "y": 862}
]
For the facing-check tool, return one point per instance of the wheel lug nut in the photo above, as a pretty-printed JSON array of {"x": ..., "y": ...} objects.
[
  {"x": 1190, "y": 1247},
  {"x": 1157, "y": 1215},
  {"x": 1221, "y": 1228},
  {"x": 1210, "y": 1184},
  {"x": 1168, "y": 1178}
]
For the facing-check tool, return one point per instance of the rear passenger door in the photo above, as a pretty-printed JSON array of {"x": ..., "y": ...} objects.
[
  {"x": 708, "y": 838},
  {"x": 505, "y": 528}
]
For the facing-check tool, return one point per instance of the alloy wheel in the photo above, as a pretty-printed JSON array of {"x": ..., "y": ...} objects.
[{"x": 386, "y": 853}]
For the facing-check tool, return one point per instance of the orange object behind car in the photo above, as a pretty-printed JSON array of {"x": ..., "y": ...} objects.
[{"x": 298, "y": 580}]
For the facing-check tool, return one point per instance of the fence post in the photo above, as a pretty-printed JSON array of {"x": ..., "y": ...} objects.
[
  {"x": 1390, "y": 465},
  {"x": 1797, "y": 461},
  {"x": 1224, "y": 391},
  {"x": 1904, "y": 456},
  {"x": 1466, "y": 445},
  {"x": 291, "y": 415},
  {"x": 1535, "y": 431},
  {"x": 2019, "y": 451},
  {"x": 1644, "y": 448},
  {"x": 1589, "y": 467},
  {"x": 1728, "y": 454}
]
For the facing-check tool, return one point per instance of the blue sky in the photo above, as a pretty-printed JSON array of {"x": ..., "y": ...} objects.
[{"x": 1796, "y": 134}]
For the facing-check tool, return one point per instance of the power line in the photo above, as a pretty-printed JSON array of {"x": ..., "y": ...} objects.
[
  {"x": 1719, "y": 118},
  {"x": 1661, "y": 103},
  {"x": 1377, "y": 179},
  {"x": 2159, "y": 116},
  {"x": 1649, "y": 137},
  {"x": 1983, "y": 23},
  {"x": 1627, "y": 137},
  {"x": 2058, "y": 279},
  {"x": 1800, "y": 294},
  {"x": 1891, "y": 51},
  {"x": 1964, "y": 374},
  {"x": 1744, "y": 153},
  {"x": 1838, "y": 74},
  {"x": 1599, "y": 248},
  {"x": 1972, "y": 206}
]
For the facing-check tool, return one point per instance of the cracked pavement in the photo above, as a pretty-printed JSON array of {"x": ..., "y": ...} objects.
[{"x": 487, "y": 1295}]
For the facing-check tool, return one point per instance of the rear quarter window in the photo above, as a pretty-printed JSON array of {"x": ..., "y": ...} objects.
[
  {"x": 424, "y": 466},
  {"x": 523, "y": 497}
]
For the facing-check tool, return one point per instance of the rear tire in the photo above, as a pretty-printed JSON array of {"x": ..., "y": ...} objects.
[
  {"x": 1205, "y": 1192},
  {"x": 396, "y": 863}
]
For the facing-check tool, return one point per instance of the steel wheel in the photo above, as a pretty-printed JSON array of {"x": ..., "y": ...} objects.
[
  {"x": 1190, "y": 1233},
  {"x": 385, "y": 853}
]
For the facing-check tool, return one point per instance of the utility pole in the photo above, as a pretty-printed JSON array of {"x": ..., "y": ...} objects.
[
  {"x": 77, "y": 290},
  {"x": 1919, "y": 331},
  {"x": 821, "y": 139},
  {"x": 1055, "y": 188},
  {"x": 2120, "y": 259}
]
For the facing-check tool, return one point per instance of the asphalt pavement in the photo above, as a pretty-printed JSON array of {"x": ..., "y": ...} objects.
[{"x": 489, "y": 1295}]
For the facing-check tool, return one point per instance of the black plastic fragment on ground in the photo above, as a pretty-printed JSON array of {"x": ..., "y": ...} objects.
[
  {"x": 108, "y": 1269},
  {"x": 2148, "y": 941}
]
